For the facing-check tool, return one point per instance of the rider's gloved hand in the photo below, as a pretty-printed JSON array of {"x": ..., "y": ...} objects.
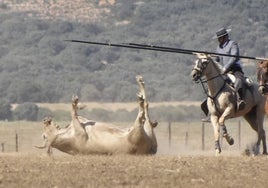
[{"x": 262, "y": 90}]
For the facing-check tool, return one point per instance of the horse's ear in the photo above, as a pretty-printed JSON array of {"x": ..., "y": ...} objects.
[{"x": 201, "y": 55}]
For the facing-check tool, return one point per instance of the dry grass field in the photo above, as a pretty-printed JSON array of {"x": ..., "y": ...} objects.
[
  {"x": 181, "y": 160},
  {"x": 25, "y": 170},
  {"x": 113, "y": 106}
]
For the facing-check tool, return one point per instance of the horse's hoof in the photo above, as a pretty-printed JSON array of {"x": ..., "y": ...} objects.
[
  {"x": 217, "y": 152},
  {"x": 231, "y": 141},
  {"x": 217, "y": 147}
]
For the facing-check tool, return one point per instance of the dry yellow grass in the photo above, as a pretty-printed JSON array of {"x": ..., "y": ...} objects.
[
  {"x": 181, "y": 163},
  {"x": 185, "y": 137},
  {"x": 113, "y": 106},
  {"x": 132, "y": 171}
]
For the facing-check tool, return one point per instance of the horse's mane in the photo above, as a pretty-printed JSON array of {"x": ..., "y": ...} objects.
[
  {"x": 218, "y": 66},
  {"x": 262, "y": 76}
]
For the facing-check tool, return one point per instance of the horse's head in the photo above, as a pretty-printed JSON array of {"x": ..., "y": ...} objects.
[
  {"x": 262, "y": 76},
  {"x": 200, "y": 67},
  {"x": 263, "y": 66}
]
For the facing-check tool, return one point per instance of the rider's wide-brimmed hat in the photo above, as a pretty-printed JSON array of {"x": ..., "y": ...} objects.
[{"x": 221, "y": 32}]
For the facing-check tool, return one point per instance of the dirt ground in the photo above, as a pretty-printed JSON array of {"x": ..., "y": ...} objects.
[
  {"x": 39, "y": 170},
  {"x": 180, "y": 163}
]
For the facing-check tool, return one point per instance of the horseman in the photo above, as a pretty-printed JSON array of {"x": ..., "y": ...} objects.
[{"x": 230, "y": 65}]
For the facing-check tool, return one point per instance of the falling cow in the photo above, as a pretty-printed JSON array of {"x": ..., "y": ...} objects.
[{"x": 86, "y": 137}]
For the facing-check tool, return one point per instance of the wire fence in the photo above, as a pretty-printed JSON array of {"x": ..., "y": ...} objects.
[{"x": 172, "y": 137}]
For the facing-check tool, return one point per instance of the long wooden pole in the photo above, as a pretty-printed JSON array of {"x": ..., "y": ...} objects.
[{"x": 163, "y": 49}]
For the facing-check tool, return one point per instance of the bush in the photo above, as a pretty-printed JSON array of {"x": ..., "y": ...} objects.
[
  {"x": 26, "y": 111},
  {"x": 44, "y": 112},
  {"x": 5, "y": 110}
]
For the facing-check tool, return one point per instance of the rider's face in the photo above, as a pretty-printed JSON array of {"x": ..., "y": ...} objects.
[{"x": 222, "y": 39}]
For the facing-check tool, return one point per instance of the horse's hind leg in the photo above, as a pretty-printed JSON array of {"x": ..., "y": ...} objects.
[
  {"x": 141, "y": 100},
  {"x": 148, "y": 125},
  {"x": 256, "y": 122},
  {"x": 140, "y": 117},
  {"x": 225, "y": 134},
  {"x": 78, "y": 128},
  {"x": 264, "y": 143}
]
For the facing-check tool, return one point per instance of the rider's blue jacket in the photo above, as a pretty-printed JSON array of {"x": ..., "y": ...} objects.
[{"x": 232, "y": 64}]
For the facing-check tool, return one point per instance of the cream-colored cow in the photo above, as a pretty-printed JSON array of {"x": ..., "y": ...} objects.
[{"x": 85, "y": 136}]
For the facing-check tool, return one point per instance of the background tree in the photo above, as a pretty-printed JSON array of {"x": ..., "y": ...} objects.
[
  {"x": 26, "y": 111},
  {"x": 5, "y": 110},
  {"x": 38, "y": 65}
]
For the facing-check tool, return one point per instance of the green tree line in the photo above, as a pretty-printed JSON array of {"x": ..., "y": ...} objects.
[
  {"x": 29, "y": 111},
  {"x": 38, "y": 65}
]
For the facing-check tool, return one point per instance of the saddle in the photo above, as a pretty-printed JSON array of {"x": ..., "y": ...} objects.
[{"x": 247, "y": 83}]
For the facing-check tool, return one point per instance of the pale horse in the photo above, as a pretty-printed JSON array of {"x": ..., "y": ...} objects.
[
  {"x": 222, "y": 101},
  {"x": 85, "y": 137}
]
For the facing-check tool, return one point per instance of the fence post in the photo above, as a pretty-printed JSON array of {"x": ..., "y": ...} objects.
[
  {"x": 203, "y": 136},
  {"x": 186, "y": 138},
  {"x": 17, "y": 142},
  {"x": 169, "y": 133},
  {"x": 3, "y": 147},
  {"x": 239, "y": 134}
]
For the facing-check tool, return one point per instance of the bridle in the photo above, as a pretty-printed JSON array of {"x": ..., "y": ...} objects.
[{"x": 201, "y": 65}]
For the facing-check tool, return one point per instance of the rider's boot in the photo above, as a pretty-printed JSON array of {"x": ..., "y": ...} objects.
[
  {"x": 206, "y": 119},
  {"x": 240, "y": 100},
  {"x": 204, "y": 108}
]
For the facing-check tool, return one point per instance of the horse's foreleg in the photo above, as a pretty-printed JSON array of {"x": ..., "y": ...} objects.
[
  {"x": 225, "y": 115},
  {"x": 49, "y": 151},
  {"x": 45, "y": 142},
  {"x": 261, "y": 131},
  {"x": 216, "y": 127}
]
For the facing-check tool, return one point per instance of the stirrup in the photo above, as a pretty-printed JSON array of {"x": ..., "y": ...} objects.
[
  {"x": 241, "y": 105},
  {"x": 206, "y": 119}
]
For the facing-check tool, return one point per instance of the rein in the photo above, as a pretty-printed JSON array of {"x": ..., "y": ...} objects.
[
  {"x": 213, "y": 98},
  {"x": 206, "y": 91},
  {"x": 205, "y": 81}
]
